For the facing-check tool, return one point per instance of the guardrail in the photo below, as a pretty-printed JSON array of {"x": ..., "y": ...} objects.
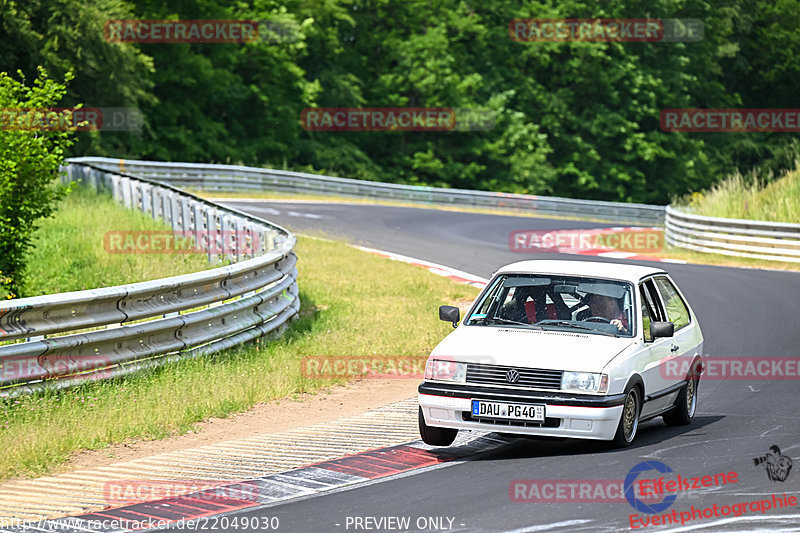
[
  {"x": 232, "y": 177},
  {"x": 114, "y": 331},
  {"x": 773, "y": 241}
]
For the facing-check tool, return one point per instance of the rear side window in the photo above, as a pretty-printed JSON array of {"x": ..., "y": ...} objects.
[
  {"x": 650, "y": 294},
  {"x": 677, "y": 313},
  {"x": 646, "y": 318}
]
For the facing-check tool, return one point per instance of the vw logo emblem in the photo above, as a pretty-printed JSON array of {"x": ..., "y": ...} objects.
[{"x": 512, "y": 376}]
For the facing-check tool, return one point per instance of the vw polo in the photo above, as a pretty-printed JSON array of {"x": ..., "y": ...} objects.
[{"x": 565, "y": 349}]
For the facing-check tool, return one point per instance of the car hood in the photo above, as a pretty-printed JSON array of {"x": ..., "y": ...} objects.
[{"x": 556, "y": 350}]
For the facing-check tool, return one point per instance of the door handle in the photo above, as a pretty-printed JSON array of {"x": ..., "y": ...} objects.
[{"x": 673, "y": 348}]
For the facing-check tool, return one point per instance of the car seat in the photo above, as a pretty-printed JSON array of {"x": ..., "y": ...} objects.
[{"x": 530, "y": 311}]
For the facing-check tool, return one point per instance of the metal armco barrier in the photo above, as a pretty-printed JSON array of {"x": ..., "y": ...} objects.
[
  {"x": 176, "y": 317},
  {"x": 773, "y": 241},
  {"x": 232, "y": 177}
]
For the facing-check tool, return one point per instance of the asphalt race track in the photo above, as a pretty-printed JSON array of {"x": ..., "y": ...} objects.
[{"x": 743, "y": 313}]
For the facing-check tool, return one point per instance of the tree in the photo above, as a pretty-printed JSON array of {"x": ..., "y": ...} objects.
[
  {"x": 67, "y": 35},
  {"x": 30, "y": 155}
]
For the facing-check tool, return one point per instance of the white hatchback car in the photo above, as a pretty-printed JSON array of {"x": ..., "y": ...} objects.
[{"x": 565, "y": 349}]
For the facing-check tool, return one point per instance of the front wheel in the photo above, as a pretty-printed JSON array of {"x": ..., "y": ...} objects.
[
  {"x": 629, "y": 421},
  {"x": 685, "y": 406},
  {"x": 433, "y": 436}
]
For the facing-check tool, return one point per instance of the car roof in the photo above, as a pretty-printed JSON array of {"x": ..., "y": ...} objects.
[{"x": 632, "y": 273}]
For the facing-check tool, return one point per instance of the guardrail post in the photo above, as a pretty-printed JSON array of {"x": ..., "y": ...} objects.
[
  {"x": 127, "y": 199},
  {"x": 211, "y": 234},
  {"x": 107, "y": 180},
  {"x": 166, "y": 207},
  {"x": 155, "y": 201},
  {"x": 147, "y": 199},
  {"x": 227, "y": 229},
  {"x": 116, "y": 187},
  {"x": 175, "y": 215},
  {"x": 186, "y": 216},
  {"x": 136, "y": 189},
  {"x": 198, "y": 221}
]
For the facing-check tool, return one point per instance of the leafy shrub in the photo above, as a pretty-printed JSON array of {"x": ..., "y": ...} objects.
[{"x": 29, "y": 161}]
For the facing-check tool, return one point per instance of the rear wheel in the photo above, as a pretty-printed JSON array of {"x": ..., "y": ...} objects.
[
  {"x": 434, "y": 436},
  {"x": 629, "y": 421},
  {"x": 685, "y": 406}
]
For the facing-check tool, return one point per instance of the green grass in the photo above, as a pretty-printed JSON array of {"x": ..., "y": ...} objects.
[
  {"x": 354, "y": 303},
  {"x": 70, "y": 255},
  {"x": 752, "y": 199}
]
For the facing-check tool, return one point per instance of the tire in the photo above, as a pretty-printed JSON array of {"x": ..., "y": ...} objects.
[
  {"x": 685, "y": 406},
  {"x": 433, "y": 436},
  {"x": 629, "y": 420}
]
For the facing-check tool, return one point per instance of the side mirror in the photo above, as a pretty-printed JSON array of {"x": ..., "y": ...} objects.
[
  {"x": 661, "y": 329},
  {"x": 448, "y": 313}
]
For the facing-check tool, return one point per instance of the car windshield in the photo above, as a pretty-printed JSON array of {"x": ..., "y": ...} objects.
[{"x": 589, "y": 305}]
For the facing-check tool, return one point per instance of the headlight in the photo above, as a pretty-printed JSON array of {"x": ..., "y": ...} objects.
[
  {"x": 584, "y": 382},
  {"x": 444, "y": 370}
]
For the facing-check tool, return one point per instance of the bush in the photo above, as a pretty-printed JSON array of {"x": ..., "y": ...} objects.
[
  {"x": 29, "y": 161},
  {"x": 5, "y": 290}
]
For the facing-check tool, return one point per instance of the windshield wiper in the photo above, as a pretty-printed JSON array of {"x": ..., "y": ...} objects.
[
  {"x": 508, "y": 321},
  {"x": 568, "y": 324}
]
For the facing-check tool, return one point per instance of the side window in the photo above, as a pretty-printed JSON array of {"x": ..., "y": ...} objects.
[
  {"x": 646, "y": 314},
  {"x": 676, "y": 310},
  {"x": 650, "y": 294},
  {"x": 491, "y": 298}
]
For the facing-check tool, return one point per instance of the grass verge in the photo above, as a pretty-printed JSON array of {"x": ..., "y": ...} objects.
[
  {"x": 69, "y": 252},
  {"x": 354, "y": 303},
  {"x": 751, "y": 199}
]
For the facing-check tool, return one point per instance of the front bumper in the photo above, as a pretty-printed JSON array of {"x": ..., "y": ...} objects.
[{"x": 566, "y": 415}]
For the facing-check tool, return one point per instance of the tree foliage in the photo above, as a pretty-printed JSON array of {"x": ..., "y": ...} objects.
[
  {"x": 29, "y": 161},
  {"x": 576, "y": 119}
]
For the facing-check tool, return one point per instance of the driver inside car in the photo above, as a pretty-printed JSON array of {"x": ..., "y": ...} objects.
[{"x": 608, "y": 308}]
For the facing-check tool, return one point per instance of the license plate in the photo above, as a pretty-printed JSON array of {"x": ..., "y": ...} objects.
[{"x": 511, "y": 411}]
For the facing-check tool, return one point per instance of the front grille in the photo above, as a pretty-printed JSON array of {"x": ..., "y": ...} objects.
[
  {"x": 535, "y": 378},
  {"x": 549, "y": 422}
]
